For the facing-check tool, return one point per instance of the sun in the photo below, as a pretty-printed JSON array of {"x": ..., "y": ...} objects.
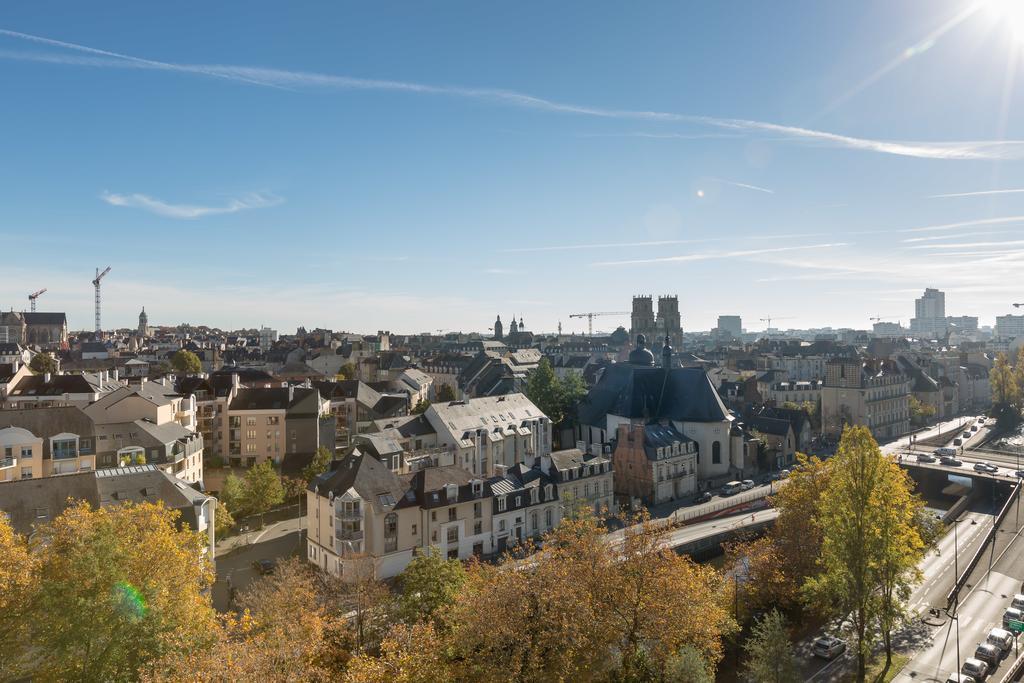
[{"x": 1010, "y": 13}]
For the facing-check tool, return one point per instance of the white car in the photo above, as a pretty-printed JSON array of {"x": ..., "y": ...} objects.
[
  {"x": 828, "y": 647},
  {"x": 746, "y": 484}
]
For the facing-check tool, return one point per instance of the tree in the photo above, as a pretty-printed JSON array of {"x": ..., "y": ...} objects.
[
  {"x": 770, "y": 657},
  {"x": 430, "y": 585},
  {"x": 410, "y": 654},
  {"x": 224, "y": 522},
  {"x": 920, "y": 412},
  {"x": 688, "y": 666},
  {"x": 421, "y": 407},
  {"x": 43, "y": 363},
  {"x": 870, "y": 545},
  {"x": 769, "y": 582},
  {"x": 545, "y": 390},
  {"x": 797, "y": 530},
  {"x": 444, "y": 394},
  {"x": 232, "y": 495},
  {"x": 186, "y": 362},
  {"x": 261, "y": 489},
  {"x": 321, "y": 461},
  {"x": 18, "y": 568},
  {"x": 347, "y": 371},
  {"x": 1006, "y": 391},
  {"x": 117, "y": 589}
]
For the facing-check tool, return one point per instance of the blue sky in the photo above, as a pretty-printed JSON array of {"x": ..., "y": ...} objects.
[{"x": 424, "y": 166}]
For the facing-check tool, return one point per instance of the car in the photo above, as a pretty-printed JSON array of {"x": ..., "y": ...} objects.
[
  {"x": 828, "y": 647},
  {"x": 783, "y": 474},
  {"x": 975, "y": 668},
  {"x": 945, "y": 450},
  {"x": 1020, "y": 473},
  {"x": 993, "y": 469},
  {"x": 989, "y": 653},
  {"x": 1002, "y": 639},
  {"x": 958, "y": 441},
  {"x": 265, "y": 566},
  {"x": 983, "y": 467},
  {"x": 966, "y": 435},
  {"x": 1018, "y": 602},
  {"x": 925, "y": 457},
  {"x": 960, "y": 678},
  {"x": 732, "y": 488},
  {"x": 974, "y": 428},
  {"x": 746, "y": 484},
  {"x": 703, "y": 498},
  {"x": 950, "y": 461},
  {"x": 1011, "y": 614}
]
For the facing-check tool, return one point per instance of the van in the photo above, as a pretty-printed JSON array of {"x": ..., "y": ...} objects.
[
  {"x": 1012, "y": 614},
  {"x": 732, "y": 488},
  {"x": 1002, "y": 639},
  {"x": 945, "y": 450}
]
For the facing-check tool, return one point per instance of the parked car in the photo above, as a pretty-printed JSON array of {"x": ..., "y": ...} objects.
[
  {"x": 1018, "y": 602},
  {"x": 966, "y": 435},
  {"x": 960, "y": 678},
  {"x": 703, "y": 498},
  {"x": 1002, "y": 639},
  {"x": 828, "y": 647},
  {"x": 950, "y": 461},
  {"x": 988, "y": 653},
  {"x": 974, "y": 428},
  {"x": 975, "y": 668},
  {"x": 265, "y": 567},
  {"x": 945, "y": 450},
  {"x": 958, "y": 441},
  {"x": 1020, "y": 473},
  {"x": 1012, "y": 614},
  {"x": 783, "y": 474},
  {"x": 746, "y": 484},
  {"x": 732, "y": 488},
  {"x": 924, "y": 457}
]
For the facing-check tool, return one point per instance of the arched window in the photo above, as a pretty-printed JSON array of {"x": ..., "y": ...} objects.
[
  {"x": 533, "y": 522},
  {"x": 716, "y": 453},
  {"x": 547, "y": 518}
]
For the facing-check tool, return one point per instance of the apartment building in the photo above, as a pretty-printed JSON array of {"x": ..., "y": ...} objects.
[
  {"x": 525, "y": 504},
  {"x": 47, "y": 390},
  {"x": 490, "y": 431},
  {"x": 269, "y": 423},
  {"x": 583, "y": 478},
  {"x": 21, "y": 454},
  {"x": 874, "y": 393},
  {"x": 363, "y": 519}
]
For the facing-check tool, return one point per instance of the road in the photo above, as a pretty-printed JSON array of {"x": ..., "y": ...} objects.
[
  {"x": 987, "y": 594},
  {"x": 234, "y": 567}
]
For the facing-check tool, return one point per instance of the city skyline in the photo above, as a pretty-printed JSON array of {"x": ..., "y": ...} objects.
[{"x": 824, "y": 179}]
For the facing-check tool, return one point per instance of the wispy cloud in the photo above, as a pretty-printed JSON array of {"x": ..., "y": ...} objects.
[
  {"x": 661, "y": 136},
  {"x": 981, "y": 193},
  {"x": 189, "y": 211},
  {"x": 656, "y": 243},
  {"x": 501, "y": 271},
  {"x": 707, "y": 256},
  {"x": 971, "y": 245},
  {"x": 1001, "y": 220},
  {"x": 962, "y": 235},
  {"x": 279, "y": 78},
  {"x": 744, "y": 186}
]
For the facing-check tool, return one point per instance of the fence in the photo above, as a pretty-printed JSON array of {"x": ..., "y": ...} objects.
[{"x": 683, "y": 516}]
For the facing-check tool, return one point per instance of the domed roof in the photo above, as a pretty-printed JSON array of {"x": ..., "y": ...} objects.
[{"x": 641, "y": 355}]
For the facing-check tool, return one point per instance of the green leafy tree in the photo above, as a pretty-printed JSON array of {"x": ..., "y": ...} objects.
[
  {"x": 444, "y": 393},
  {"x": 1006, "y": 391},
  {"x": 232, "y": 494},
  {"x": 574, "y": 390},
  {"x": 546, "y": 391},
  {"x": 770, "y": 657},
  {"x": 421, "y": 407},
  {"x": 347, "y": 371},
  {"x": 870, "y": 544},
  {"x": 688, "y": 665},
  {"x": 920, "y": 412},
  {"x": 262, "y": 488},
  {"x": 224, "y": 522},
  {"x": 42, "y": 363},
  {"x": 321, "y": 461},
  {"x": 430, "y": 585},
  {"x": 186, "y": 362}
]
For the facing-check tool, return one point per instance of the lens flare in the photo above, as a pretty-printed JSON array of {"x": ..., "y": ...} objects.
[{"x": 130, "y": 600}]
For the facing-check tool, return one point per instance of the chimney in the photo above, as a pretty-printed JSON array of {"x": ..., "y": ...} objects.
[
  {"x": 580, "y": 445},
  {"x": 116, "y": 375},
  {"x": 46, "y": 377},
  {"x": 291, "y": 393}
]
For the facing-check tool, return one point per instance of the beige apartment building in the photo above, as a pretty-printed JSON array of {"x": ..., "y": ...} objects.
[
  {"x": 21, "y": 454},
  {"x": 874, "y": 393}
]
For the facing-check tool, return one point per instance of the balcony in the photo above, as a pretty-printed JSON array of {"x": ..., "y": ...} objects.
[
  {"x": 8, "y": 462},
  {"x": 341, "y": 513}
]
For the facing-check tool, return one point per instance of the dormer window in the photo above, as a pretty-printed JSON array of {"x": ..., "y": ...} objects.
[
  {"x": 452, "y": 491},
  {"x": 501, "y": 503},
  {"x": 533, "y": 496}
]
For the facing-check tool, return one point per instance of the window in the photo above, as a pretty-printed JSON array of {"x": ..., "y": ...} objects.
[
  {"x": 453, "y": 534},
  {"x": 451, "y": 514},
  {"x": 26, "y": 472},
  {"x": 478, "y": 528},
  {"x": 534, "y": 493},
  {"x": 273, "y": 420},
  {"x": 390, "y": 532},
  {"x": 42, "y": 513},
  {"x": 433, "y": 515},
  {"x": 533, "y": 522},
  {"x": 250, "y": 434},
  {"x": 413, "y": 529},
  {"x": 250, "y": 422},
  {"x": 64, "y": 448},
  {"x": 478, "y": 511},
  {"x": 547, "y": 518},
  {"x": 716, "y": 453},
  {"x": 9, "y": 452},
  {"x": 501, "y": 525},
  {"x": 501, "y": 504}
]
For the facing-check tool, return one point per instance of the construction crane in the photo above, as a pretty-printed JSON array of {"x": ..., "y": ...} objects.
[
  {"x": 590, "y": 318},
  {"x": 880, "y": 318},
  {"x": 1018, "y": 305},
  {"x": 32, "y": 298},
  {"x": 96, "y": 284},
  {"x": 769, "y": 320}
]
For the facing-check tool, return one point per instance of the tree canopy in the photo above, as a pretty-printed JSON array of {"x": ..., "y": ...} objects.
[
  {"x": 42, "y": 363},
  {"x": 556, "y": 398},
  {"x": 186, "y": 362}
]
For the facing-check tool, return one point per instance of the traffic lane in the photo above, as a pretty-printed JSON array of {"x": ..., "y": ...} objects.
[
  {"x": 980, "y": 612},
  {"x": 236, "y": 571},
  {"x": 939, "y": 564}
]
